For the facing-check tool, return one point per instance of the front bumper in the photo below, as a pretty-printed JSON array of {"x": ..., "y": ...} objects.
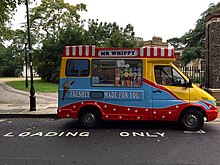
[{"x": 212, "y": 114}]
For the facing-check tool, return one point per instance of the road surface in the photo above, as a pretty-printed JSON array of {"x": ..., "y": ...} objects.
[{"x": 62, "y": 141}]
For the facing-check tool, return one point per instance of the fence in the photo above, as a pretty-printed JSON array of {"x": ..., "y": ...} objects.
[{"x": 196, "y": 73}]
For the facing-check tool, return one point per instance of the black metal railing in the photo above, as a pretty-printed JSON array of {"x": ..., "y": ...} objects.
[{"x": 197, "y": 74}]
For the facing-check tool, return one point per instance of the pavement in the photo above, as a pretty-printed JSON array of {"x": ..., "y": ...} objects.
[{"x": 16, "y": 103}]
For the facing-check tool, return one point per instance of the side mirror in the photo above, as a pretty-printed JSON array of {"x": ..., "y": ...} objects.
[{"x": 189, "y": 84}]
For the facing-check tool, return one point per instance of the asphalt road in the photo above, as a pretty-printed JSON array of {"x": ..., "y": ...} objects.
[{"x": 52, "y": 141}]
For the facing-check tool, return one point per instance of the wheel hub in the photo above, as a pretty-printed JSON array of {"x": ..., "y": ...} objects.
[
  {"x": 191, "y": 120},
  {"x": 89, "y": 118}
]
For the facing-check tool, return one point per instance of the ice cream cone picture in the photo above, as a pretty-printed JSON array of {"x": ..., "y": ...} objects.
[{"x": 66, "y": 85}]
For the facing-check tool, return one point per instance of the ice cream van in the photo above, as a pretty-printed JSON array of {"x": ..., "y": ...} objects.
[{"x": 142, "y": 84}]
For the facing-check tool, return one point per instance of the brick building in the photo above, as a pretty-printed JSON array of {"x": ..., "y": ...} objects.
[
  {"x": 157, "y": 42},
  {"x": 212, "y": 57}
]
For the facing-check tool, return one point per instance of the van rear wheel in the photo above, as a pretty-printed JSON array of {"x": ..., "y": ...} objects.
[
  {"x": 191, "y": 120},
  {"x": 89, "y": 119}
]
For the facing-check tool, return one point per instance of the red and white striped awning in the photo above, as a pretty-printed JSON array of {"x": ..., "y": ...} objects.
[{"x": 92, "y": 51}]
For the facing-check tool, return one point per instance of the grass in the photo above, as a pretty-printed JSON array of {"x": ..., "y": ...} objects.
[
  {"x": 39, "y": 86},
  {"x": 7, "y": 77}
]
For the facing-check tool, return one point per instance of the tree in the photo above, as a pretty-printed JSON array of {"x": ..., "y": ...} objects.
[
  {"x": 48, "y": 58},
  {"x": 56, "y": 24},
  {"x": 2, "y": 55},
  {"x": 193, "y": 42},
  {"x": 7, "y": 9},
  {"x": 103, "y": 34},
  {"x": 122, "y": 38},
  {"x": 176, "y": 42},
  {"x": 191, "y": 53},
  {"x": 99, "y": 34},
  {"x": 51, "y": 16},
  {"x": 11, "y": 58}
]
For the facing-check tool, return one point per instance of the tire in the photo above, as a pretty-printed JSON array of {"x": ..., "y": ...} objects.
[
  {"x": 89, "y": 119},
  {"x": 191, "y": 120}
]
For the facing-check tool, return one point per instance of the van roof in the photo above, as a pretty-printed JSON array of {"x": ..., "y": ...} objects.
[{"x": 91, "y": 51}]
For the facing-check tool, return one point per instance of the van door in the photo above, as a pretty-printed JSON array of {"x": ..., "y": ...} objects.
[{"x": 168, "y": 93}]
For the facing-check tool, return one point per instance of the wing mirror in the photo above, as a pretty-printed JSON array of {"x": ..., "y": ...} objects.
[{"x": 189, "y": 84}]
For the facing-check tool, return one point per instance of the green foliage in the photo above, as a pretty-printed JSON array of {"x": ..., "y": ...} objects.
[
  {"x": 7, "y": 8},
  {"x": 193, "y": 42},
  {"x": 176, "y": 42},
  {"x": 103, "y": 34},
  {"x": 212, "y": 8},
  {"x": 51, "y": 16},
  {"x": 72, "y": 35},
  {"x": 11, "y": 58},
  {"x": 55, "y": 24},
  {"x": 122, "y": 38},
  {"x": 2, "y": 54},
  {"x": 47, "y": 60},
  {"x": 192, "y": 52}
]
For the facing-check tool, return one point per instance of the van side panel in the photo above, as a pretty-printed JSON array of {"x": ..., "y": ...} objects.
[
  {"x": 134, "y": 102},
  {"x": 149, "y": 101}
]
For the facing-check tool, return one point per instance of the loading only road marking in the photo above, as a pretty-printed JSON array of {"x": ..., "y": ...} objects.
[
  {"x": 142, "y": 134},
  {"x": 123, "y": 134},
  {"x": 195, "y": 132},
  {"x": 2, "y": 120},
  {"x": 48, "y": 134}
]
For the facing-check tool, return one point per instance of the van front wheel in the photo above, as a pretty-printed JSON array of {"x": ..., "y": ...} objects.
[
  {"x": 191, "y": 120},
  {"x": 89, "y": 119}
]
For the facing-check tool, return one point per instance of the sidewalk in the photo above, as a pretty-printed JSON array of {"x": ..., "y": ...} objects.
[{"x": 16, "y": 103}]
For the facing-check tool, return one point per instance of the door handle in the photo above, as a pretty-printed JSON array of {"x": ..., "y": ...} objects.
[{"x": 157, "y": 91}]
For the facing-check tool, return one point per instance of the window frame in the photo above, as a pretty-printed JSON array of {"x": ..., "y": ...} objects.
[
  {"x": 172, "y": 72},
  {"x": 100, "y": 85},
  {"x": 80, "y": 75},
  {"x": 115, "y": 63}
]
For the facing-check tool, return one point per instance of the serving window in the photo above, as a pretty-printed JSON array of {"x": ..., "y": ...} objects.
[
  {"x": 103, "y": 72},
  {"x": 119, "y": 73}
]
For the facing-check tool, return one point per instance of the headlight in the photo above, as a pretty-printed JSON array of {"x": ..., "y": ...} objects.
[{"x": 214, "y": 103}]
